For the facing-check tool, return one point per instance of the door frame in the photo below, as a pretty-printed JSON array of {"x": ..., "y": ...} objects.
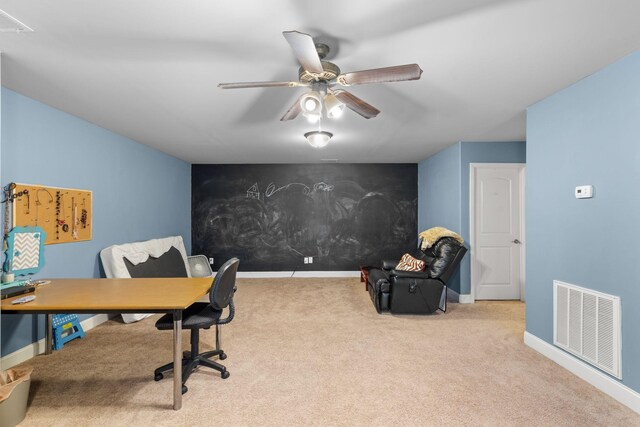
[{"x": 473, "y": 169}]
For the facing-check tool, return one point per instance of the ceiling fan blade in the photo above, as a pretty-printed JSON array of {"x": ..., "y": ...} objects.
[
  {"x": 293, "y": 111},
  {"x": 243, "y": 85},
  {"x": 305, "y": 50},
  {"x": 356, "y": 104},
  {"x": 397, "y": 73}
]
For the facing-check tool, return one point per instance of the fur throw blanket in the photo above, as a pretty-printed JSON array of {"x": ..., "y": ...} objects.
[{"x": 431, "y": 236}]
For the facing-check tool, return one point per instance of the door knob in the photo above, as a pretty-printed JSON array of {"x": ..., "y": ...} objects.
[{"x": 517, "y": 242}]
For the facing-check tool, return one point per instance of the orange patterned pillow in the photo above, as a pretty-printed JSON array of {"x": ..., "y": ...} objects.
[{"x": 409, "y": 263}]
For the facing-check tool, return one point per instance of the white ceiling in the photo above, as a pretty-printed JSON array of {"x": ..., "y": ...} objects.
[{"x": 148, "y": 69}]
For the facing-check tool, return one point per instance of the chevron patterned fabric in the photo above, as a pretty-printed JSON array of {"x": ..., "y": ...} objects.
[{"x": 26, "y": 251}]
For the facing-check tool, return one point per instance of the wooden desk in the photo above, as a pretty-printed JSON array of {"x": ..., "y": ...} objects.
[{"x": 93, "y": 296}]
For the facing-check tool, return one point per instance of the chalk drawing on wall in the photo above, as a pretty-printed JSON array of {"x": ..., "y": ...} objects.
[
  {"x": 344, "y": 216},
  {"x": 253, "y": 192}
]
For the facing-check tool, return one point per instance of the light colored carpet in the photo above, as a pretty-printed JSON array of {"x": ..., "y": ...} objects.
[{"x": 315, "y": 352}]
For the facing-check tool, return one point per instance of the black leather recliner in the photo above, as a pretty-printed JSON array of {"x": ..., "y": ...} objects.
[{"x": 416, "y": 292}]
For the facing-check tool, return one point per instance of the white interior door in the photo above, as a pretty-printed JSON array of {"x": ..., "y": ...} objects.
[{"x": 497, "y": 230}]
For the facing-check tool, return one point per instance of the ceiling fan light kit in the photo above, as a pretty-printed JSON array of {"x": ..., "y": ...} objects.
[
  {"x": 333, "y": 106},
  {"x": 311, "y": 105}
]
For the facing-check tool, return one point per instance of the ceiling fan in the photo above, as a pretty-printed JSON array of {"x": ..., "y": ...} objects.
[{"x": 325, "y": 79}]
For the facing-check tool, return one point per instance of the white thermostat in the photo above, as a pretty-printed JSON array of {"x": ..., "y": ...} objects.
[{"x": 584, "y": 191}]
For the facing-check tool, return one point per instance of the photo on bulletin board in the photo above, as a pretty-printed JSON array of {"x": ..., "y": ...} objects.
[{"x": 65, "y": 214}]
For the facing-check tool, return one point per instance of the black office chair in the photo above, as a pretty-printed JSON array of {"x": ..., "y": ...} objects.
[{"x": 203, "y": 315}]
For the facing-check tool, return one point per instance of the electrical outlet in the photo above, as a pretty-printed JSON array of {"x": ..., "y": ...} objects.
[
  {"x": 211, "y": 260},
  {"x": 306, "y": 260},
  {"x": 310, "y": 260}
]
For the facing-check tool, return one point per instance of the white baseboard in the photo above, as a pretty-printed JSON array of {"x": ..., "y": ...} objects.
[
  {"x": 33, "y": 349},
  {"x": 326, "y": 274},
  {"x": 98, "y": 319},
  {"x": 599, "y": 380},
  {"x": 466, "y": 299},
  {"x": 456, "y": 297},
  {"x": 266, "y": 274}
]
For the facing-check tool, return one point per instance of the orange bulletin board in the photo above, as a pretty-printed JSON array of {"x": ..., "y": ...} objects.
[{"x": 63, "y": 213}]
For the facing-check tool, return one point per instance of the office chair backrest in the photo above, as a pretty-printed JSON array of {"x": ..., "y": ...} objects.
[{"x": 223, "y": 284}]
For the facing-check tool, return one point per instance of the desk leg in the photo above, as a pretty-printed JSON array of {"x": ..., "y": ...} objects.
[
  {"x": 48, "y": 333},
  {"x": 177, "y": 360}
]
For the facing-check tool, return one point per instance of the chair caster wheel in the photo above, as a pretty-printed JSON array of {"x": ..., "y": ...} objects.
[
  {"x": 225, "y": 375},
  {"x": 158, "y": 377},
  {"x": 223, "y": 356},
  {"x": 184, "y": 389}
]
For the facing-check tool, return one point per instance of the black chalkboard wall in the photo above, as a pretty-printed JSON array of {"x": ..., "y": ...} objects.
[{"x": 272, "y": 216}]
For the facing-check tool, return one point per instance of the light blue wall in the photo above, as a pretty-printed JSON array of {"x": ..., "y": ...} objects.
[
  {"x": 439, "y": 190},
  {"x": 439, "y": 195},
  {"x": 138, "y": 193},
  {"x": 587, "y": 134},
  {"x": 481, "y": 152},
  {"x": 443, "y": 191}
]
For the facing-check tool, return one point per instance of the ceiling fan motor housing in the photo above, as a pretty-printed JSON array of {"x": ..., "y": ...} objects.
[{"x": 330, "y": 72}]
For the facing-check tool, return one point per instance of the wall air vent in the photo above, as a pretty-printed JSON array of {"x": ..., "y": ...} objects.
[
  {"x": 587, "y": 323},
  {"x": 9, "y": 24}
]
